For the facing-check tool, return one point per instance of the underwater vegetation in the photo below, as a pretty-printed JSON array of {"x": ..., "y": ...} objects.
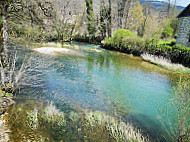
[
  {"x": 72, "y": 126},
  {"x": 119, "y": 130}
]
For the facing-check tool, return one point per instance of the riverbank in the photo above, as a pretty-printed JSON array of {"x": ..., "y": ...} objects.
[
  {"x": 173, "y": 58},
  {"x": 6, "y": 99},
  {"x": 127, "y": 42},
  {"x": 166, "y": 64},
  {"x": 154, "y": 58}
]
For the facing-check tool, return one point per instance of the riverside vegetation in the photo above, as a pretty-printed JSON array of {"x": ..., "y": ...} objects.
[{"x": 156, "y": 52}]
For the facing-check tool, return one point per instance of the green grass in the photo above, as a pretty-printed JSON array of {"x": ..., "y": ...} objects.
[{"x": 2, "y": 93}]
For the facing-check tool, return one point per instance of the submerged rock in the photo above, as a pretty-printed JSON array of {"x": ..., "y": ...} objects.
[{"x": 51, "y": 50}]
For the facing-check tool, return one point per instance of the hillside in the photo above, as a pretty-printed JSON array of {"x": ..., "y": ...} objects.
[{"x": 158, "y": 4}]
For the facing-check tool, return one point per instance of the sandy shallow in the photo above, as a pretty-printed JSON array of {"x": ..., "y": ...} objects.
[{"x": 51, "y": 50}]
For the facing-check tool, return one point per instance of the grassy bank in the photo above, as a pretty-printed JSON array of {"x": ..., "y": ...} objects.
[
  {"x": 128, "y": 42},
  {"x": 166, "y": 63}
]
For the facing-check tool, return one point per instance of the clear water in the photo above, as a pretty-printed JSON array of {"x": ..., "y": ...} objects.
[{"x": 90, "y": 79}]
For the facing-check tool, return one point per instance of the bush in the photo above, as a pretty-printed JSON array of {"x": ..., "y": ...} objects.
[
  {"x": 123, "y": 39},
  {"x": 167, "y": 32},
  {"x": 121, "y": 34},
  {"x": 132, "y": 44}
]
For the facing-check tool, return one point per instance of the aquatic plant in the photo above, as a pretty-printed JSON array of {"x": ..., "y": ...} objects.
[
  {"x": 180, "y": 104},
  {"x": 165, "y": 63},
  {"x": 32, "y": 119},
  {"x": 176, "y": 114},
  {"x": 119, "y": 130},
  {"x": 52, "y": 115},
  {"x": 74, "y": 116}
]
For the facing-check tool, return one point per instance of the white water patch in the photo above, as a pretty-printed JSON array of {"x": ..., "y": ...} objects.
[{"x": 51, "y": 50}]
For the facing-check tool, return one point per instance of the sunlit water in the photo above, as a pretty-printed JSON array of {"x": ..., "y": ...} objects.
[{"x": 89, "y": 79}]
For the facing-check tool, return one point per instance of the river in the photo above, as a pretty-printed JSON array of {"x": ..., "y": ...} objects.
[{"x": 90, "y": 79}]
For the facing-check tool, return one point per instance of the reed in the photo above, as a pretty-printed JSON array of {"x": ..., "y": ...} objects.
[
  {"x": 165, "y": 63},
  {"x": 119, "y": 130}
]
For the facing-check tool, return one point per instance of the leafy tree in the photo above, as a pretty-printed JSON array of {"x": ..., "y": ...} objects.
[
  {"x": 167, "y": 32},
  {"x": 137, "y": 17},
  {"x": 121, "y": 34}
]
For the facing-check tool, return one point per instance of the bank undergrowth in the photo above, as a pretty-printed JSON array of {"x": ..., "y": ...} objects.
[
  {"x": 132, "y": 44},
  {"x": 87, "y": 123},
  {"x": 166, "y": 63}
]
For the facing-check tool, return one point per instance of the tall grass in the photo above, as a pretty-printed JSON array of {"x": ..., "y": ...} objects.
[
  {"x": 119, "y": 130},
  {"x": 179, "y": 116},
  {"x": 132, "y": 44},
  {"x": 165, "y": 63}
]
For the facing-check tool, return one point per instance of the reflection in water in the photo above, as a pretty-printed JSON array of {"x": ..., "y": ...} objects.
[{"x": 117, "y": 84}]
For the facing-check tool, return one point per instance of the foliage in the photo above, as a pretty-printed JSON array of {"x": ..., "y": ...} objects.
[
  {"x": 137, "y": 17},
  {"x": 119, "y": 130},
  {"x": 167, "y": 32},
  {"x": 53, "y": 116},
  {"x": 124, "y": 40},
  {"x": 32, "y": 119},
  {"x": 165, "y": 63},
  {"x": 137, "y": 46},
  {"x": 181, "y": 105},
  {"x": 121, "y": 34},
  {"x": 171, "y": 42}
]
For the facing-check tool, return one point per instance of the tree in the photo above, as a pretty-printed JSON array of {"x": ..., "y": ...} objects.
[
  {"x": 90, "y": 17},
  {"x": 18, "y": 11},
  {"x": 103, "y": 17},
  {"x": 137, "y": 17},
  {"x": 109, "y": 19},
  {"x": 168, "y": 9},
  {"x": 121, "y": 8}
]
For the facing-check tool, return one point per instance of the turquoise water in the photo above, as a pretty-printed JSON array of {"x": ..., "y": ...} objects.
[{"x": 91, "y": 78}]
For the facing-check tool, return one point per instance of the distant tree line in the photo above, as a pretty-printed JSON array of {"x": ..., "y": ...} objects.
[{"x": 62, "y": 20}]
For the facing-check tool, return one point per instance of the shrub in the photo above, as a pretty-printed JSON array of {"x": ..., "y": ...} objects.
[
  {"x": 167, "y": 32},
  {"x": 121, "y": 34},
  {"x": 132, "y": 44}
]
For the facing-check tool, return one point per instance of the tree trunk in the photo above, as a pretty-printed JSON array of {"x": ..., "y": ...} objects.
[
  {"x": 168, "y": 10},
  {"x": 109, "y": 20},
  {"x": 121, "y": 8},
  {"x": 90, "y": 17}
]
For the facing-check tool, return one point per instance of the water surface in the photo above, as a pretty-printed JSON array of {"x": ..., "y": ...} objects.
[{"x": 92, "y": 79}]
